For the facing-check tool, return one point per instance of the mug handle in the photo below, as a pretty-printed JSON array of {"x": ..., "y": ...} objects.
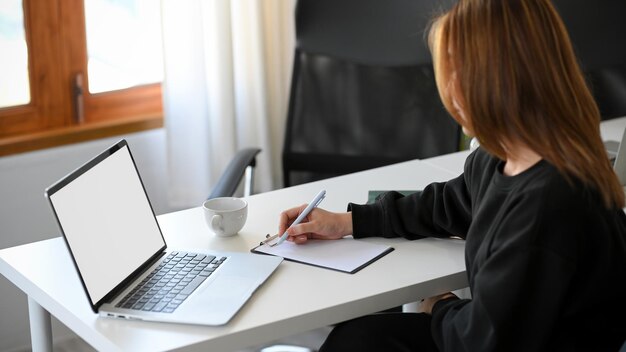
[{"x": 216, "y": 224}]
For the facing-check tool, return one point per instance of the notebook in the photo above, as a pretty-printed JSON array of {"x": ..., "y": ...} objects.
[
  {"x": 347, "y": 254},
  {"x": 617, "y": 154},
  {"x": 116, "y": 244}
]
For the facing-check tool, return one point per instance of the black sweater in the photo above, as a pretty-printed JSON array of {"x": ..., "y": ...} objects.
[{"x": 546, "y": 261}]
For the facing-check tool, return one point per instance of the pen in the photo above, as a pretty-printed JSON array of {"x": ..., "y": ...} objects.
[{"x": 314, "y": 203}]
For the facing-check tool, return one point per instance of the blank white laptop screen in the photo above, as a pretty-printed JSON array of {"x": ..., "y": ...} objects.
[{"x": 109, "y": 238}]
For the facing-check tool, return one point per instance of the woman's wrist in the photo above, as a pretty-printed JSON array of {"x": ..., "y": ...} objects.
[{"x": 346, "y": 223}]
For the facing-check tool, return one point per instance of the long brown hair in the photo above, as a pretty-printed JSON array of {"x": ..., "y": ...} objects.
[{"x": 510, "y": 66}]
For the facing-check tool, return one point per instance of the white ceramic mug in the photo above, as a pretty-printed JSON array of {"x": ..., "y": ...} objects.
[{"x": 225, "y": 216}]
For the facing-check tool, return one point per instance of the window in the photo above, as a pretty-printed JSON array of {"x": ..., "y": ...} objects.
[
  {"x": 74, "y": 70},
  {"x": 14, "y": 86},
  {"x": 123, "y": 44}
]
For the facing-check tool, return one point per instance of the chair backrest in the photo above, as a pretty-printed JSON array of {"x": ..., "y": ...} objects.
[
  {"x": 597, "y": 30},
  {"x": 363, "y": 92}
]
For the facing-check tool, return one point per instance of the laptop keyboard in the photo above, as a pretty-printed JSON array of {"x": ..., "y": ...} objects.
[{"x": 169, "y": 284}]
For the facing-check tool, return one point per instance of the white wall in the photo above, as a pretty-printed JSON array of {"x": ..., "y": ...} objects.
[{"x": 25, "y": 215}]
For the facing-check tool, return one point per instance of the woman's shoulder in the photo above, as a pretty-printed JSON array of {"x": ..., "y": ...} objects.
[
  {"x": 559, "y": 189},
  {"x": 543, "y": 184},
  {"x": 479, "y": 164},
  {"x": 479, "y": 158},
  {"x": 558, "y": 199},
  {"x": 554, "y": 190},
  {"x": 542, "y": 187}
]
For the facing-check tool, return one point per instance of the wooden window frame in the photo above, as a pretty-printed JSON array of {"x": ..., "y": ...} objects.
[{"x": 57, "y": 52}]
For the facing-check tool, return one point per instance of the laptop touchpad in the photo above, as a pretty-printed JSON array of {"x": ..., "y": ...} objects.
[{"x": 228, "y": 287}]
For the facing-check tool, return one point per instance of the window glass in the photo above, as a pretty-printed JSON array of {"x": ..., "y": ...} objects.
[
  {"x": 123, "y": 43},
  {"x": 14, "y": 84}
]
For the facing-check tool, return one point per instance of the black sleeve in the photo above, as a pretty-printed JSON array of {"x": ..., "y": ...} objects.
[
  {"x": 518, "y": 290},
  {"x": 440, "y": 210}
]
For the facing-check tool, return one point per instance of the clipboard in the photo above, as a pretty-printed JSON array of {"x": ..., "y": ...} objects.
[{"x": 347, "y": 255}]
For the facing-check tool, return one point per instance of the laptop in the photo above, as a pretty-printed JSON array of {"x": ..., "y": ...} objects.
[
  {"x": 122, "y": 259},
  {"x": 617, "y": 155}
]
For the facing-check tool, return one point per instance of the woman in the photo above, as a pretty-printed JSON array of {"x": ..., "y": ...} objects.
[{"x": 538, "y": 203}]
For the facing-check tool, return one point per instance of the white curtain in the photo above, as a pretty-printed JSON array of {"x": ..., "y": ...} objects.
[{"x": 227, "y": 71}]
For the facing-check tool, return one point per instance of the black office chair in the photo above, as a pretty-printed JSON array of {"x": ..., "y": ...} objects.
[
  {"x": 597, "y": 31},
  {"x": 241, "y": 165},
  {"x": 363, "y": 92}
]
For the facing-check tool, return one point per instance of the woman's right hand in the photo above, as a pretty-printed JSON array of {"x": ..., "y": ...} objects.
[{"x": 319, "y": 224}]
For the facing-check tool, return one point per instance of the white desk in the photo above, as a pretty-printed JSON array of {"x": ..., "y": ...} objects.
[
  {"x": 296, "y": 298},
  {"x": 613, "y": 129},
  {"x": 453, "y": 162}
]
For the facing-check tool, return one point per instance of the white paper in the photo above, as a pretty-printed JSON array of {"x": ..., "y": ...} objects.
[{"x": 346, "y": 254}]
